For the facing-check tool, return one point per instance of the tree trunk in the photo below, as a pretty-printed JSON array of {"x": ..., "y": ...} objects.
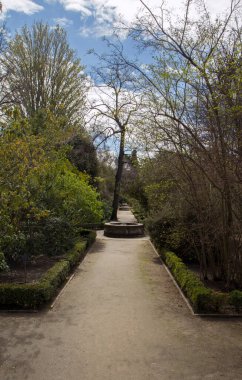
[{"x": 118, "y": 177}]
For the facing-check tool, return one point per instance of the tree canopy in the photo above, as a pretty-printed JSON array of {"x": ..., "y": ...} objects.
[{"x": 44, "y": 72}]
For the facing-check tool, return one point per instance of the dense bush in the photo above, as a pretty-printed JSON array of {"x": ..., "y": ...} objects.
[
  {"x": 74, "y": 255},
  {"x": 29, "y": 296},
  {"x": 43, "y": 199},
  {"x": 51, "y": 236},
  {"x": 83, "y": 155},
  {"x": 57, "y": 274},
  {"x": 186, "y": 216},
  {"x": 164, "y": 212},
  {"x": 88, "y": 235},
  {"x": 3, "y": 265},
  {"x": 138, "y": 210},
  {"x": 56, "y": 235},
  {"x": 170, "y": 233},
  {"x": 235, "y": 299}
]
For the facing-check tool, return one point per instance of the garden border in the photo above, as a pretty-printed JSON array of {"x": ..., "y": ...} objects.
[
  {"x": 32, "y": 297},
  {"x": 200, "y": 300}
]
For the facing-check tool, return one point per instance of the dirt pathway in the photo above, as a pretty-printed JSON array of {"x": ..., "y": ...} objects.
[{"x": 120, "y": 318}]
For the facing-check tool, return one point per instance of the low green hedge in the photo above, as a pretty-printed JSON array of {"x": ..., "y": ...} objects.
[
  {"x": 33, "y": 296},
  {"x": 137, "y": 209},
  {"x": 90, "y": 237},
  {"x": 76, "y": 254},
  {"x": 202, "y": 299}
]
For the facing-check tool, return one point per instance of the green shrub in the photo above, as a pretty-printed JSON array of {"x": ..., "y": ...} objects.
[
  {"x": 76, "y": 254},
  {"x": 50, "y": 235},
  {"x": 207, "y": 301},
  {"x": 91, "y": 238},
  {"x": 33, "y": 296},
  {"x": 57, "y": 235},
  {"x": 235, "y": 299},
  {"x": 203, "y": 300},
  {"x": 169, "y": 233},
  {"x": 57, "y": 274},
  {"x": 3, "y": 265},
  {"x": 25, "y": 296},
  {"x": 138, "y": 210},
  {"x": 43, "y": 197}
]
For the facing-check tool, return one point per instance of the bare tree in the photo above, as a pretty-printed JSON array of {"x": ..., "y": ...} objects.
[
  {"x": 193, "y": 90},
  {"x": 115, "y": 103},
  {"x": 4, "y": 89}
]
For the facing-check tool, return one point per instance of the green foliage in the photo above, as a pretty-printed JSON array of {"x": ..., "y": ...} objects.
[
  {"x": 105, "y": 183},
  {"x": 137, "y": 208},
  {"x": 235, "y": 299},
  {"x": 34, "y": 296},
  {"x": 89, "y": 236},
  {"x": 29, "y": 296},
  {"x": 83, "y": 155},
  {"x": 195, "y": 84},
  {"x": 57, "y": 274},
  {"x": 160, "y": 209},
  {"x": 170, "y": 233},
  {"x": 53, "y": 236},
  {"x": 3, "y": 265},
  {"x": 43, "y": 198},
  {"x": 44, "y": 72},
  {"x": 73, "y": 198},
  {"x": 203, "y": 299},
  {"x": 197, "y": 293},
  {"x": 157, "y": 193},
  {"x": 75, "y": 254}
]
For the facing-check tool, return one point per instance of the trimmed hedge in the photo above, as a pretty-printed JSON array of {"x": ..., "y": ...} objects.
[
  {"x": 34, "y": 296},
  {"x": 202, "y": 299},
  {"x": 93, "y": 226},
  {"x": 89, "y": 236}
]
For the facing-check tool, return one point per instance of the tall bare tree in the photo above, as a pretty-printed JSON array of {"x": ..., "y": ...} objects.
[
  {"x": 193, "y": 91},
  {"x": 4, "y": 90},
  {"x": 115, "y": 103}
]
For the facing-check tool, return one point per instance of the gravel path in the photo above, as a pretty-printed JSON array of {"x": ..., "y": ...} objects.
[{"x": 119, "y": 318}]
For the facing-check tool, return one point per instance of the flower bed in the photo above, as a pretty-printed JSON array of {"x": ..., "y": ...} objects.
[{"x": 35, "y": 295}]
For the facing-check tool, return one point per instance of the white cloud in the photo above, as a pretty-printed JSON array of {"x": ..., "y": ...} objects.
[
  {"x": 103, "y": 20},
  {"x": 104, "y": 12},
  {"x": 63, "y": 22},
  {"x": 81, "y": 6},
  {"x": 129, "y": 8},
  {"x": 102, "y": 15},
  {"x": 28, "y": 7},
  {"x": 96, "y": 30}
]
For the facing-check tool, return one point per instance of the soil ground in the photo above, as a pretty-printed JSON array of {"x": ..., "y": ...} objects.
[
  {"x": 35, "y": 269},
  {"x": 120, "y": 317}
]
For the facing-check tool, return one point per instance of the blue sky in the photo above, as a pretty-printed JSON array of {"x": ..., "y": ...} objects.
[{"x": 86, "y": 21}]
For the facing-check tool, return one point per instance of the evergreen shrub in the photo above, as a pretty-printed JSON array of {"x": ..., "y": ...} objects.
[
  {"x": 202, "y": 299},
  {"x": 34, "y": 296}
]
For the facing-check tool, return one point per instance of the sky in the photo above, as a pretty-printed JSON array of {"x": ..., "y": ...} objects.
[{"x": 86, "y": 21}]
